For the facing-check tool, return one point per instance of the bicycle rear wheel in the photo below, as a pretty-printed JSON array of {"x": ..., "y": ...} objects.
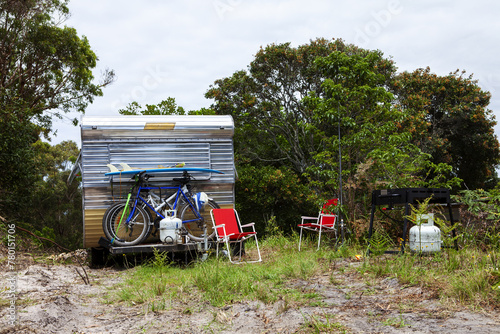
[
  {"x": 195, "y": 228},
  {"x": 126, "y": 233}
]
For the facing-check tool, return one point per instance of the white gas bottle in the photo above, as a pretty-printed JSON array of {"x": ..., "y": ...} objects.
[
  {"x": 425, "y": 237},
  {"x": 170, "y": 230}
]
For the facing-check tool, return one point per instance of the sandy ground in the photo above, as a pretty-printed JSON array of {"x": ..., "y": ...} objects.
[{"x": 55, "y": 299}]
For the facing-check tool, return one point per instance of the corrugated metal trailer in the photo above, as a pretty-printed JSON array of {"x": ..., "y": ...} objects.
[{"x": 148, "y": 142}]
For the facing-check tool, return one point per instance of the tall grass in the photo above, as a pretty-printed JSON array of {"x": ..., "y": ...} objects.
[
  {"x": 219, "y": 282},
  {"x": 466, "y": 277}
]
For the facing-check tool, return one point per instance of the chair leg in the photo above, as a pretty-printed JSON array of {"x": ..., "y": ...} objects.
[
  {"x": 240, "y": 254},
  {"x": 232, "y": 259},
  {"x": 319, "y": 238},
  {"x": 258, "y": 250},
  {"x": 229, "y": 252},
  {"x": 300, "y": 238},
  {"x": 240, "y": 248}
]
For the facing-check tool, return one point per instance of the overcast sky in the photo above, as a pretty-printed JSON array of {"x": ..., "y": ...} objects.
[{"x": 178, "y": 48}]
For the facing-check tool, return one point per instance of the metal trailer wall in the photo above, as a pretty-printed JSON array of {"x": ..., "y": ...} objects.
[{"x": 149, "y": 142}]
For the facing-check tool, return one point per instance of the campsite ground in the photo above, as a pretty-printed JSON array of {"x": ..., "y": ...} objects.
[{"x": 53, "y": 298}]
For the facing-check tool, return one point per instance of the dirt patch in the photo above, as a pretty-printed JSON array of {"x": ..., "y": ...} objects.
[{"x": 55, "y": 299}]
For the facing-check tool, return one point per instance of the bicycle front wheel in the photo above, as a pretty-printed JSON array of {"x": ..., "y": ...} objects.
[
  {"x": 122, "y": 232},
  {"x": 194, "y": 225}
]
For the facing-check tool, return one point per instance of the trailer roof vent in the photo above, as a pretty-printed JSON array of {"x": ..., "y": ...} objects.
[{"x": 159, "y": 126}]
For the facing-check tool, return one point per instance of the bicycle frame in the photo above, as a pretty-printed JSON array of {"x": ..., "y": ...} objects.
[
  {"x": 176, "y": 196},
  {"x": 179, "y": 193}
]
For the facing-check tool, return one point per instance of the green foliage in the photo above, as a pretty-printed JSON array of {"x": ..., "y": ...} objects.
[
  {"x": 448, "y": 118},
  {"x": 379, "y": 242},
  {"x": 50, "y": 207},
  {"x": 16, "y": 160},
  {"x": 273, "y": 124},
  {"x": 449, "y": 233},
  {"x": 313, "y": 107},
  {"x": 481, "y": 202},
  {"x": 397, "y": 322},
  {"x": 165, "y": 107},
  {"x": 45, "y": 66},
  {"x": 272, "y": 229},
  {"x": 55, "y": 205},
  {"x": 480, "y": 218},
  {"x": 220, "y": 282},
  {"x": 352, "y": 93},
  {"x": 46, "y": 71},
  {"x": 159, "y": 259},
  {"x": 323, "y": 324},
  {"x": 272, "y": 198}
]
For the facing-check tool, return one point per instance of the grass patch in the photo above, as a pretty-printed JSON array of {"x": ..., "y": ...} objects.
[
  {"x": 220, "y": 283},
  {"x": 322, "y": 324},
  {"x": 397, "y": 322},
  {"x": 467, "y": 277}
]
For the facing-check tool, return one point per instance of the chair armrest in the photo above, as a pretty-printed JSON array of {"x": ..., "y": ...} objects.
[
  {"x": 308, "y": 218},
  {"x": 220, "y": 225},
  {"x": 252, "y": 225}
]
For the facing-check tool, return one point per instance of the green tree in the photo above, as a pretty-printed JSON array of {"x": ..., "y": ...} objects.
[
  {"x": 56, "y": 205},
  {"x": 45, "y": 71},
  {"x": 272, "y": 123},
  {"x": 288, "y": 105},
  {"x": 264, "y": 192},
  {"x": 448, "y": 118},
  {"x": 293, "y": 104},
  {"x": 165, "y": 107},
  {"x": 356, "y": 106}
]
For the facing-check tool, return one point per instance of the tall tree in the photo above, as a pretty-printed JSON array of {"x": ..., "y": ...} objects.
[
  {"x": 354, "y": 114},
  {"x": 56, "y": 206},
  {"x": 45, "y": 71},
  {"x": 165, "y": 107},
  {"x": 291, "y": 102},
  {"x": 449, "y": 119},
  {"x": 266, "y": 101}
]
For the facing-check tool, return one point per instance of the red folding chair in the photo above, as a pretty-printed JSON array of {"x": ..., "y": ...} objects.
[
  {"x": 228, "y": 229},
  {"x": 324, "y": 223}
]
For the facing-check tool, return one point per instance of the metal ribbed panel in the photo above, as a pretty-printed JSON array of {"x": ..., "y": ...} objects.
[{"x": 199, "y": 141}]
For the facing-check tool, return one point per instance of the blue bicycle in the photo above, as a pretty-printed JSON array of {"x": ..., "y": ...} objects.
[{"x": 130, "y": 222}]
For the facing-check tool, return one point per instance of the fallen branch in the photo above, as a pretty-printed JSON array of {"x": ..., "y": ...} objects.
[{"x": 84, "y": 278}]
